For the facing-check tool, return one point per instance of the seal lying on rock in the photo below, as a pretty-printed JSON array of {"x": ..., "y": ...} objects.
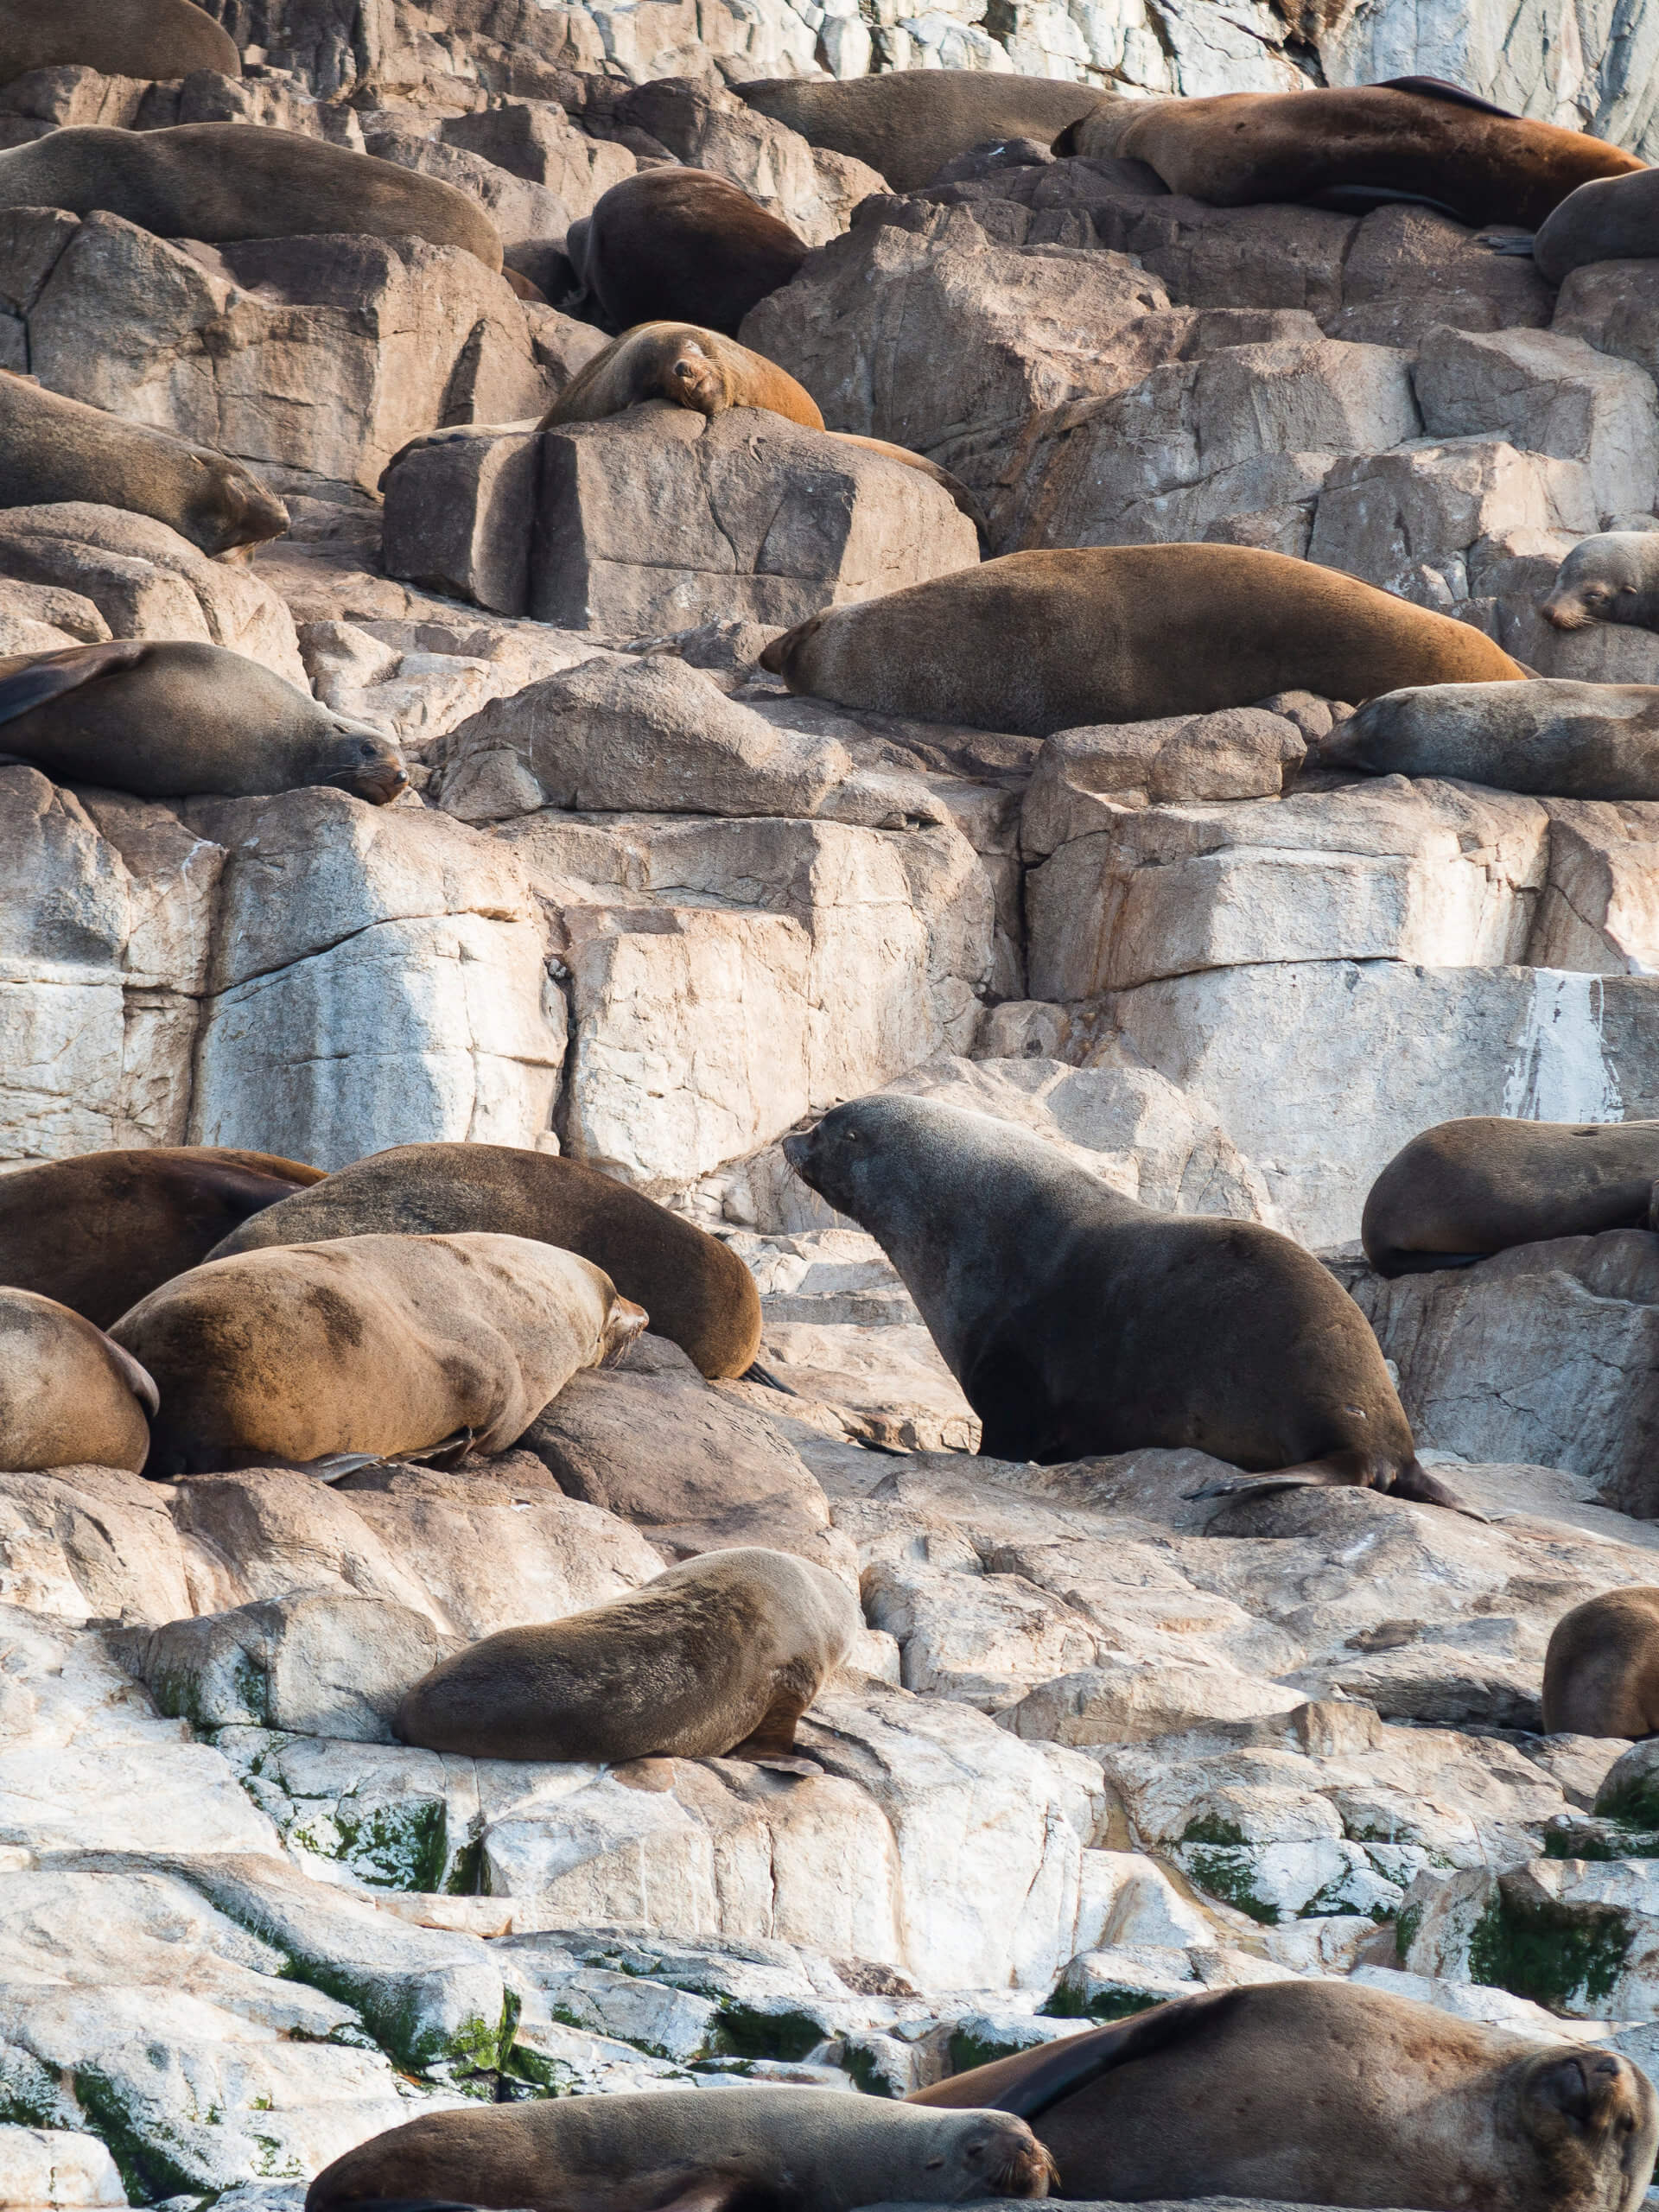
[
  {"x": 1608, "y": 218},
  {"x": 52, "y": 450},
  {"x": 68, "y": 1397},
  {"x": 1551, "y": 737},
  {"x": 100, "y": 1232},
  {"x": 1078, "y": 1321},
  {"x": 1601, "y": 1671},
  {"x": 1324, "y": 2093},
  {"x": 765, "y": 2149},
  {"x": 1041, "y": 642},
  {"x": 161, "y": 40},
  {"x": 1410, "y": 139},
  {"x": 1612, "y": 577},
  {"x": 720, "y": 1654},
  {"x": 167, "y": 720},
  {"x": 371, "y": 1344},
  {"x": 682, "y": 245}
]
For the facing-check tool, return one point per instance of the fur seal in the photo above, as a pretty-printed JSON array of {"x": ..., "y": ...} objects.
[
  {"x": 765, "y": 2149},
  {"x": 52, "y": 448},
  {"x": 907, "y": 123},
  {"x": 1612, "y": 577},
  {"x": 383, "y": 1345},
  {"x": 1601, "y": 1670},
  {"x": 68, "y": 1397},
  {"x": 1608, "y": 218},
  {"x": 1465, "y": 1189},
  {"x": 682, "y": 245},
  {"x": 1041, "y": 642},
  {"x": 1409, "y": 138},
  {"x": 1324, "y": 2093},
  {"x": 100, "y": 1232},
  {"x": 718, "y": 1656},
  {"x": 1551, "y": 737},
  {"x": 695, "y": 1289},
  {"x": 167, "y": 720},
  {"x": 154, "y": 39},
  {"x": 219, "y": 182},
  {"x": 1078, "y": 1321}
]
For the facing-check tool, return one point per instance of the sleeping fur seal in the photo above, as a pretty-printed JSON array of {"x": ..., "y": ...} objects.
[
  {"x": 100, "y": 1232},
  {"x": 1322, "y": 2092},
  {"x": 1352, "y": 146},
  {"x": 764, "y": 2149},
  {"x": 1601, "y": 1670},
  {"x": 1078, "y": 1321},
  {"x": 1552, "y": 736},
  {"x": 695, "y": 1289},
  {"x": 1612, "y": 577},
  {"x": 907, "y": 123},
  {"x": 382, "y": 1344},
  {"x": 1464, "y": 1189},
  {"x": 219, "y": 182},
  {"x": 1041, "y": 642},
  {"x": 718, "y": 1656},
  {"x": 68, "y": 1397},
  {"x": 52, "y": 448},
  {"x": 167, "y": 720},
  {"x": 1609, "y": 219},
  {"x": 683, "y": 245},
  {"x": 155, "y": 39}
]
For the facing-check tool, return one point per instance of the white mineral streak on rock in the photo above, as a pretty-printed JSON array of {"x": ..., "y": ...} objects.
[{"x": 1561, "y": 1072}]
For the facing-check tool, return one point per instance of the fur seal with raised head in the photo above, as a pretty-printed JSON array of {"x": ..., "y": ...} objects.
[
  {"x": 1601, "y": 1670},
  {"x": 695, "y": 1289},
  {"x": 1352, "y": 146},
  {"x": 1607, "y": 218},
  {"x": 1612, "y": 577},
  {"x": 718, "y": 1656},
  {"x": 1078, "y": 1321},
  {"x": 1465, "y": 1189},
  {"x": 1321, "y": 2093},
  {"x": 52, "y": 448},
  {"x": 165, "y": 720},
  {"x": 99, "y": 1232},
  {"x": 681, "y": 245},
  {"x": 221, "y": 182},
  {"x": 161, "y": 40},
  {"x": 68, "y": 1397},
  {"x": 1551, "y": 737},
  {"x": 760, "y": 2149},
  {"x": 382, "y": 1344},
  {"x": 1041, "y": 642},
  {"x": 907, "y": 123}
]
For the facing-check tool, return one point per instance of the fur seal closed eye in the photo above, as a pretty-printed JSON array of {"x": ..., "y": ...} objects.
[
  {"x": 100, "y": 1232},
  {"x": 160, "y": 40},
  {"x": 1078, "y": 1321},
  {"x": 1612, "y": 577},
  {"x": 1609, "y": 219},
  {"x": 719, "y": 1655},
  {"x": 764, "y": 2149},
  {"x": 682, "y": 245},
  {"x": 68, "y": 1397},
  {"x": 695, "y": 1289},
  {"x": 1468, "y": 1188},
  {"x": 168, "y": 720},
  {"x": 1041, "y": 642},
  {"x": 1551, "y": 736},
  {"x": 1321, "y": 2093},
  {"x": 1601, "y": 1670},
  {"x": 382, "y": 1344}
]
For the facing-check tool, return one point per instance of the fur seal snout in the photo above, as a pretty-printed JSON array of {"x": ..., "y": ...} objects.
[
  {"x": 1601, "y": 1670},
  {"x": 1612, "y": 577}
]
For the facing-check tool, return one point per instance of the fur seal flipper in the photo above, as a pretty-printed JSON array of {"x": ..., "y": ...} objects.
[
  {"x": 28, "y": 681},
  {"x": 1437, "y": 88},
  {"x": 1029, "y": 2083}
]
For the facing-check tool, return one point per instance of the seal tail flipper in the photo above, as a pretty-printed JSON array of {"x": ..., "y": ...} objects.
[
  {"x": 1422, "y": 1487},
  {"x": 772, "y": 1737},
  {"x": 755, "y": 1373},
  {"x": 1032, "y": 2082},
  {"x": 1517, "y": 247},
  {"x": 28, "y": 680}
]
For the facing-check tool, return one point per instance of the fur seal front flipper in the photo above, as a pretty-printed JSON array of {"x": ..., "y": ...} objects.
[
  {"x": 1029, "y": 2082},
  {"x": 53, "y": 676}
]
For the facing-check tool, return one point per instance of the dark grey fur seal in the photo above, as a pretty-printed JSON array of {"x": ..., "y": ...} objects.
[
  {"x": 1612, "y": 577},
  {"x": 1609, "y": 219},
  {"x": 156, "y": 39},
  {"x": 681, "y": 245},
  {"x": 1551, "y": 736},
  {"x": 1078, "y": 1321},
  {"x": 1601, "y": 1671},
  {"x": 164, "y": 721},
  {"x": 907, "y": 123}
]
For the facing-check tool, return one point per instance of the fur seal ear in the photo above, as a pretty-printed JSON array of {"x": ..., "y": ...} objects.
[
  {"x": 28, "y": 681},
  {"x": 1031, "y": 2084},
  {"x": 1437, "y": 88}
]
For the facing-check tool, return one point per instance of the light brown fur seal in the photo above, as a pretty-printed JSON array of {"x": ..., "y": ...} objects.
[
  {"x": 166, "y": 721},
  {"x": 52, "y": 448},
  {"x": 719, "y": 1655},
  {"x": 100, "y": 1232},
  {"x": 219, "y": 182},
  {"x": 1464, "y": 1189},
  {"x": 154, "y": 39},
  {"x": 370, "y": 1343},
  {"x": 907, "y": 123},
  {"x": 1321, "y": 2093},
  {"x": 683, "y": 245},
  {"x": 1601, "y": 1671},
  {"x": 1609, "y": 219},
  {"x": 1552, "y": 736},
  {"x": 765, "y": 2149},
  {"x": 1041, "y": 642},
  {"x": 1411, "y": 139},
  {"x": 68, "y": 1397},
  {"x": 695, "y": 1289}
]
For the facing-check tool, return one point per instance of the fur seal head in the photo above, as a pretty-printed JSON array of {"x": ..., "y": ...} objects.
[
  {"x": 232, "y": 507},
  {"x": 1612, "y": 577},
  {"x": 687, "y": 366}
]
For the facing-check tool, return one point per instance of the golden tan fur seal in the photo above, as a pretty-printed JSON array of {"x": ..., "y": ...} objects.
[
  {"x": 1041, "y": 642},
  {"x": 763, "y": 2149},
  {"x": 155, "y": 39},
  {"x": 1601, "y": 1670},
  {"x": 371, "y": 1344},
  {"x": 719, "y": 1655},
  {"x": 681, "y": 244},
  {"x": 1321, "y": 2093},
  {"x": 1412, "y": 139},
  {"x": 68, "y": 1397}
]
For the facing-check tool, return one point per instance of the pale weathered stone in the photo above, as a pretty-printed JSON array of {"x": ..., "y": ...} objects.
[
  {"x": 1084, "y": 777},
  {"x": 53, "y": 2166}
]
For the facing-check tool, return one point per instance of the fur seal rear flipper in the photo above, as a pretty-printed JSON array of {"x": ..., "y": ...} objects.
[
  {"x": 1437, "y": 88},
  {"x": 1343, "y": 1470},
  {"x": 53, "y": 675}
]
